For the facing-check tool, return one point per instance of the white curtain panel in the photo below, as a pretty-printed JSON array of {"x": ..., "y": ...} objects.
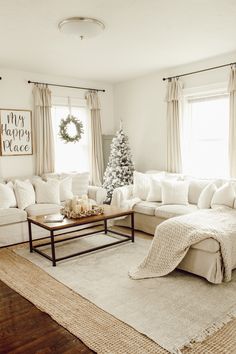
[
  {"x": 43, "y": 132},
  {"x": 173, "y": 98},
  {"x": 96, "y": 164},
  {"x": 232, "y": 121}
]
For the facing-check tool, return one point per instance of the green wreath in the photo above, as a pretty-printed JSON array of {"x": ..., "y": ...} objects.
[{"x": 63, "y": 133}]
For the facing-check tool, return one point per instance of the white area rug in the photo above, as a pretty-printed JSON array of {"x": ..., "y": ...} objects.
[{"x": 174, "y": 310}]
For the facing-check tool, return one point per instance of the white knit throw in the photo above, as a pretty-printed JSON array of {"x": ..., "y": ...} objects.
[{"x": 175, "y": 236}]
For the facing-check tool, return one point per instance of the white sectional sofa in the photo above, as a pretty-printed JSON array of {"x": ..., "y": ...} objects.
[
  {"x": 203, "y": 258},
  {"x": 13, "y": 220}
]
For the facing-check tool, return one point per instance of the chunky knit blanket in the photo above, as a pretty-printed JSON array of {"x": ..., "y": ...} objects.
[{"x": 175, "y": 236}]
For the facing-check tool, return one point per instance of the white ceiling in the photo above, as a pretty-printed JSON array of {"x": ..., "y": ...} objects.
[{"x": 141, "y": 36}]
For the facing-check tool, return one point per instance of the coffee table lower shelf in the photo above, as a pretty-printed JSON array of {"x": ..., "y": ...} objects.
[{"x": 52, "y": 241}]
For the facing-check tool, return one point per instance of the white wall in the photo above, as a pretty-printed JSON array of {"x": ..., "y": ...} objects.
[
  {"x": 140, "y": 103},
  {"x": 15, "y": 92}
]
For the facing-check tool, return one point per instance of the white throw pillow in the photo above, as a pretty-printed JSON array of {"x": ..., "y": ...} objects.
[
  {"x": 7, "y": 196},
  {"x": 142, "y": 183},
  {"x": 66, "y": 189},
  {"x": 154, "y": 194},
  {"x": 48, "y": 192},
  {"x": 175, "y": 192},
  {"x": 204, "y": 201},
  {"x": 80, "y": 182},
  {"x": 25, "y": 194},
  {"x": 225, "y": 195},
  {"x": 196, "y": 186}
]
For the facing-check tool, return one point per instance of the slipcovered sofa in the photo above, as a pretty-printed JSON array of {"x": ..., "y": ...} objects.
[
  {"x": 13, "y": 219},
  {"x": 203, "y": 258}
]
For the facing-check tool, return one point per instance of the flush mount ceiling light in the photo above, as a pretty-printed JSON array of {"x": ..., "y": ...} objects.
[{"x": 82, "y": 27}]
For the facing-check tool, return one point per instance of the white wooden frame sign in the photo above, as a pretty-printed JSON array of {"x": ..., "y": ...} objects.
[{"x": 16, "y": 132}]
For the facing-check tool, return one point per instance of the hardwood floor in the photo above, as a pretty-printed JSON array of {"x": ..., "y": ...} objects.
[{"x": 25, "y": 329}]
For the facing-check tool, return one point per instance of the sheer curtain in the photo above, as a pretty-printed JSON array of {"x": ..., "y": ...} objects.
[
  {"x": 97, "y": 167},
  {"x": 173, "y": 97},
  {"x": 44, "y": 142},
  {"x": 232, "y": 121}
]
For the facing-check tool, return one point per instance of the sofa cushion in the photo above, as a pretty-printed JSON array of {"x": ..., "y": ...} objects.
[
  {"x": 170, "y": 211},
  {"x": 42, "y": 209},
  {"x": 12, "y": 215},
  {"x": 147, "y": 208}
]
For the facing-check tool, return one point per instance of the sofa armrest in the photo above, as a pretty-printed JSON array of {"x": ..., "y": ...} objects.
[
  {"x": 98, "y": 194},
  {"x": 121, "y": 194}
]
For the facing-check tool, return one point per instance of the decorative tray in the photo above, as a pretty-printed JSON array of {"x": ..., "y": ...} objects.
[{"x": 73, "y": 214}]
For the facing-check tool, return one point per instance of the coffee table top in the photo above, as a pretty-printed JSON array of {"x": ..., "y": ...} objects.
[{"x": 109, "y": 213}]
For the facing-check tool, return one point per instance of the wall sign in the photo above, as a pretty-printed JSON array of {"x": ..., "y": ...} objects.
[{"x": 16, "y": 132}]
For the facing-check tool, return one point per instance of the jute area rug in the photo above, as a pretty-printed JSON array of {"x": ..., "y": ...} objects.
[{"x": 102, "y": 278}]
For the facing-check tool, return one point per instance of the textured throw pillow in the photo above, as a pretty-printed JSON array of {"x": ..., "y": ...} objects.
[
  {"x": 25, "y": 194},
  {"x": 80, "y": 182},
  {"x": 154, "y": 194},
  {"x": 7, "y": 196},
  {"x": 225, "y": 195},
  {"x": 48, "y": 192},
  {"x": 204, "y": 201},
  {"x": 175, "y": 192}
]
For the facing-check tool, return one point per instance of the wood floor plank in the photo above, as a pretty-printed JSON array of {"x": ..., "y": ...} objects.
[{"x": 24, "y": 329}]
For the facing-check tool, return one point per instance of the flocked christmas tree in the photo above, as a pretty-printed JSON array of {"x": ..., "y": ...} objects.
[{"x": 120, "y": 167}]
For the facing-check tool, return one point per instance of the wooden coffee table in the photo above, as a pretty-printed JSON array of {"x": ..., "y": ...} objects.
[{"x": 55, "y": 228}]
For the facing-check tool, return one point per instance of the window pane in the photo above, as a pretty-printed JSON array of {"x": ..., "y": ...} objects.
[
  {"x": 70, "y": 156},
  {"x": 205, "y": 137}
]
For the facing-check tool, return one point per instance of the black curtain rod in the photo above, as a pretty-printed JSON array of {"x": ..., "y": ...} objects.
[
  {"x": 73, "y": 87},
  {"x": 198, "y": 71}
]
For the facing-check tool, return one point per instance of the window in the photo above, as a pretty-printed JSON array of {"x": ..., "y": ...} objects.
[
  {"x": 205, "y": 135},
  {"x": 70, "y": 156}
]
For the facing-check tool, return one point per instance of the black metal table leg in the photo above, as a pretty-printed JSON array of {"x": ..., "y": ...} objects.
[
  {"x": 30, "y": 236},
  {"x": 132, "y": 227},
  {"x": 53, "y": 249},
  {"x": 105, "y": 226}
]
